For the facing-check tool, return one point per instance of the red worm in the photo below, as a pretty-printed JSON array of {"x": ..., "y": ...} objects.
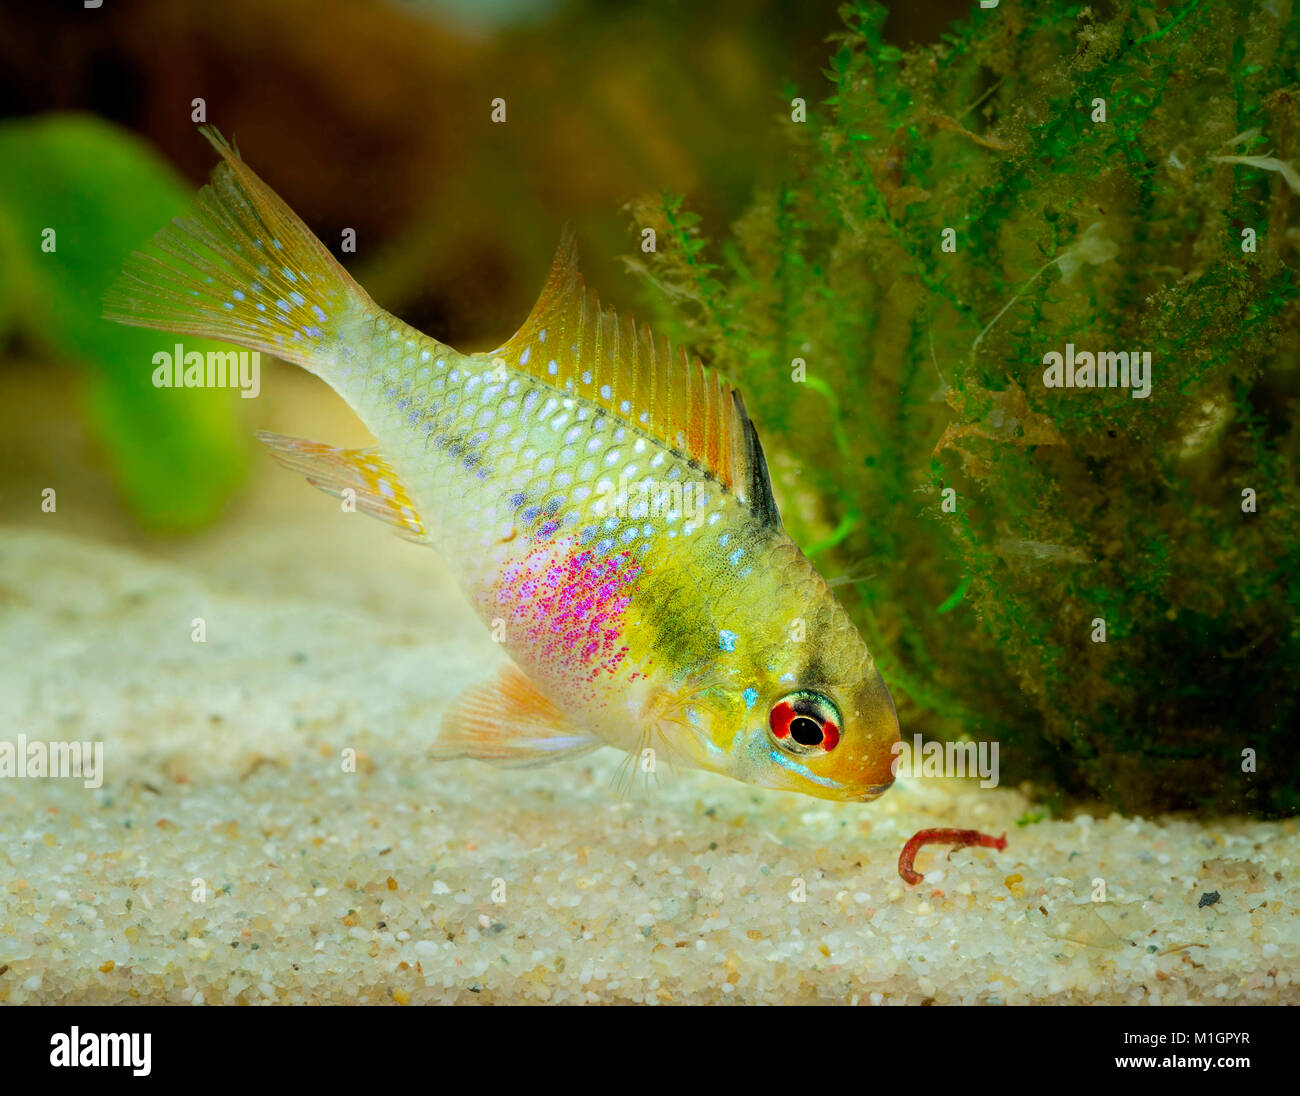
[{"x": 942, "y": 837}]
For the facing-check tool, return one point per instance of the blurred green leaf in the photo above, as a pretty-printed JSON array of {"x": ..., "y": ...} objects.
[{"x": 175, "y": 454}]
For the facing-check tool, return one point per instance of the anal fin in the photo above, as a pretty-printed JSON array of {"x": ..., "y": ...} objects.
[
  {"x": 372, "y": 481},
  {"x": 508, "y": 722}
]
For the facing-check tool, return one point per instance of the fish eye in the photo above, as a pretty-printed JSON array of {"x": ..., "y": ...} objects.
[{"x": 805, "y": 722}]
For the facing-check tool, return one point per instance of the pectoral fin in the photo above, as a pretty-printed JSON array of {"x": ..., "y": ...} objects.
[
  {"x": 508, "y": 722},
  {"x": 362, "y": 476}
]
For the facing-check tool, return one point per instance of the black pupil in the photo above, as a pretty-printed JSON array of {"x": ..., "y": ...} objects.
[{"x": 806, "y": 731}]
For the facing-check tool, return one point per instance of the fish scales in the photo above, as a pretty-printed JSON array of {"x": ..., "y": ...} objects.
[{"x": 602, "y": 498}]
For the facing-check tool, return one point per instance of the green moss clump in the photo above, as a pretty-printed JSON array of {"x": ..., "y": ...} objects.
[{"x": 924, "y": 371}]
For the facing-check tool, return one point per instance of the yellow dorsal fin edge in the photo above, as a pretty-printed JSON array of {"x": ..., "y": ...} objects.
[{"x": 570, "y": 344}]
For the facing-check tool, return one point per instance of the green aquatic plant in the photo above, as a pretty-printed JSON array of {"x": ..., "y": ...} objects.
[
  {"x": 1107, "y": 582},
  {"x": 76, "y": 195}
]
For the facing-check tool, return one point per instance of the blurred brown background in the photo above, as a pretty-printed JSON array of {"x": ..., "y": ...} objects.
[{"x": 375, "y": 116}]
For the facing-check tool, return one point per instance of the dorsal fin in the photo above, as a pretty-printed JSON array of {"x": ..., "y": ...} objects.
[
  {"x": 569, "y": 343},
  {"x": 758, "y": 491}
]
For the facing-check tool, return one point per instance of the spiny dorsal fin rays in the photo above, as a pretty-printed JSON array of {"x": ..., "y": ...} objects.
[
  {"x": 758, "y": 492},
  {"x": 569, "y": 343}
]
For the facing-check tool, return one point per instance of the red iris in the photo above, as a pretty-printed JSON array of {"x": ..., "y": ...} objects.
[
  {"x": 830, "y": 735},
  {"x": 781, "y": 717},
  {"x": 785, "y": 721}
]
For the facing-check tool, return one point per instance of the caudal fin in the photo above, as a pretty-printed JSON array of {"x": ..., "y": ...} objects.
[{"x": 241, "y": 268}]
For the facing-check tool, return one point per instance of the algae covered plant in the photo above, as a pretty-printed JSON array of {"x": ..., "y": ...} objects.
[{"x": 1021, "y": 316}]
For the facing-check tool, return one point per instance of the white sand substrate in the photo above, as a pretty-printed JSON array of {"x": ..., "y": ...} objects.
[
  {"x": 232, "y": 854},
  {"x": 231, "y": 857}
]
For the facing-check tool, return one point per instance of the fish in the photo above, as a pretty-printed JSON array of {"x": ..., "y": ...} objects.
[{"x": 602, "y": 498}]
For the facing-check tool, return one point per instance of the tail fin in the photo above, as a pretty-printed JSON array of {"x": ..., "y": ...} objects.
[{"x": 241, "y": 268}]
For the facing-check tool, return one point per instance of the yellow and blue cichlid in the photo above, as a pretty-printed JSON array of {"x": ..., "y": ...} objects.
[{"x": 602, "y": 498}]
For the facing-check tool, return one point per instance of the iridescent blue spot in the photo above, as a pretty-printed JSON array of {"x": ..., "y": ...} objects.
[
  {"x": 735, "y": 556},
  {"x": 552, "y": 368},
  {"x": 727, "y": 640},
  {"x": 548, "y": 529},
  {"x": 751, "y": 697},
  {"x": 787, "y": 762},
  {"x": 297, "y": 298},
  {"x": 282, "y": 304},
  {"x": 238, "y": 295},
  {"x": 318, "y": 313},
  {"x": 289, "y": 273},
  {"x": 227, "y": 305},
  {"x": 523, "y": 358}
]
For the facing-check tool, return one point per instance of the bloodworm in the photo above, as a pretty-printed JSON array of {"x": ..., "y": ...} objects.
[{"x": 942, "y": 837}]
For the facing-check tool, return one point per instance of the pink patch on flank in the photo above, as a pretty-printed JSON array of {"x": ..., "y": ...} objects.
[{"x": 569, "y": 606}]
